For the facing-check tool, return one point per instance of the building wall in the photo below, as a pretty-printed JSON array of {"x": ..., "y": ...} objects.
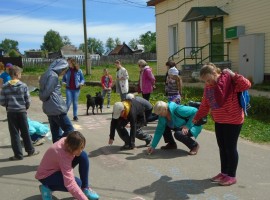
[{"x": 249, "y": 13}]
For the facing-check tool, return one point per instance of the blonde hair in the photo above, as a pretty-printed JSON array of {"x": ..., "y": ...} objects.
[
  {"x": 74, "y": 63},
  {"x": 2, "y": 66},
  {"x": 160, "y": 107},
  {"x": 209, "y": 68},
  {"x": 142, "y": 63}
]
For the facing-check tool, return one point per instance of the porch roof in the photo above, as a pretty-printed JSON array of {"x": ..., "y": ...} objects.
[{"x": 201, "y": 13}]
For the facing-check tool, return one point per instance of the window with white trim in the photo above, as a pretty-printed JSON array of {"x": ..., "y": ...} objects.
[
  {"x": 173, "y": 39},
  {"x": 191, "y": 36}
]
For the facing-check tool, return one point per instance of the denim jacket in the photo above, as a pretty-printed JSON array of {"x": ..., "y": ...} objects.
[{"x": 79, "y": 79}]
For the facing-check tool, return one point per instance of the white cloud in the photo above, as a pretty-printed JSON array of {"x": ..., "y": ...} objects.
[{"x": 30, "y": 31}]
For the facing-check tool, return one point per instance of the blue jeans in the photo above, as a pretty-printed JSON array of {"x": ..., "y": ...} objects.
[
  {"x": 72, "y": 96},
  {"x": 56, "y": 181},
  {"x": 60, "y": 126}
]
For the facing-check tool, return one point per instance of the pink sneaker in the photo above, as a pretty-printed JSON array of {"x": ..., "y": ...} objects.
[
  {"x": 228, "y": 181},
  {"x": 218, "y": 178}
]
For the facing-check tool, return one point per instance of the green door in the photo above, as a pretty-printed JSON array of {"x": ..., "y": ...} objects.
[{"x": 217, "y": 45}]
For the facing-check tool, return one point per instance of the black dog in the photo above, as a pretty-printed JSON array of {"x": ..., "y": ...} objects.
[
  {"x": 99, "y": 101},
  {"x": 90, "y": 103}
]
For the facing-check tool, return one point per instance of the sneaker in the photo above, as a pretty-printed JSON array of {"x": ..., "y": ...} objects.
[
  {"x": 218, "y": 178},
  {"x": 148, "y": 141},
  {"x": 108, "y": 106},
  {"x": 33, "y": 154},
  {"x": 227, "y": 181},
  {"x": 126, "y": 147},
  {"x": 39, "y": 141},
  {"x": 169, "y": 146},
  {"x": 46, "y": 193},
  {"x": 75, "y": 118},
  {"x": 194, "y": 150},
  {"x": 14, "y": 158},
  {"x": 91, "y": 194}
]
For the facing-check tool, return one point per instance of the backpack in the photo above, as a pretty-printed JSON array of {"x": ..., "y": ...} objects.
[
  {"x": 244, "y": 101},
  {"x": 195, "y": 105}
]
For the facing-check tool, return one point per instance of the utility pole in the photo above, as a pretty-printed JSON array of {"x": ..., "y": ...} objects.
[{"x": 88, "y": 65}]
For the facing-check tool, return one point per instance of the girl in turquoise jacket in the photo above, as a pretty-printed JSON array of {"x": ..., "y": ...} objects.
[{"x": 178, "y": 118}]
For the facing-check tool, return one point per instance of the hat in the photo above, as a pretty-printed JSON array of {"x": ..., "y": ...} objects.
[
  {"x": 8, "y": 65},
  {"x": 117, "y": 109},
  {"x": 173, "y": 71}
]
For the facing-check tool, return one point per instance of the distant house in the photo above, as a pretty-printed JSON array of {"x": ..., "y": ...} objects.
[
  {"x": 33, "y": 54},
  {"x": 66, "y": 52},
  {"x": 121, "y": 50}
]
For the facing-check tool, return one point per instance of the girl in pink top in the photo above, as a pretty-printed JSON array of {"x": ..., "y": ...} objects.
[
  {"x": 146, "y": 80},
  {"x": 55, "y": 171},
  {"x": 221, "y": 99}
]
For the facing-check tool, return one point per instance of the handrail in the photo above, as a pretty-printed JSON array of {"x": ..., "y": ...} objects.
[{"x": 197, "y": 53}]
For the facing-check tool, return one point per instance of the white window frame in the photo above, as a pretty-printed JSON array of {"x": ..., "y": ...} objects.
[
  {"x": 191, "y": 36},
  {"x": 173, "y": 39}
]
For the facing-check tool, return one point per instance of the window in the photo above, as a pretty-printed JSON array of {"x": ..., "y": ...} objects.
[
  {"x": 173, "y": 39},
  {"x": 191, "y": 36}
]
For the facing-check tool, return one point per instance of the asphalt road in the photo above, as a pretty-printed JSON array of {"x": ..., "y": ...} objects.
[{"x": 134, "y": 175}]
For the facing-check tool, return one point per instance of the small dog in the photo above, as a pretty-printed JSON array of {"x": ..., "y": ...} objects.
[
  {"x": 99, "y": 101},
  {"x": 90, "y": 103}
]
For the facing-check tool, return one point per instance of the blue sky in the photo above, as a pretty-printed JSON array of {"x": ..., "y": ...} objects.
[{"x": 27, "y": 21}]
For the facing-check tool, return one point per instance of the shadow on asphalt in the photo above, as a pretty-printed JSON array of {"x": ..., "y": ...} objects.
[
  {"x": 17, "y": 169},
  {"x": 107, "y": 150},
  {"x": 164, "y": 188},
  {"x": 38, "y": 197},
  {"x": 159, "y": 154}
]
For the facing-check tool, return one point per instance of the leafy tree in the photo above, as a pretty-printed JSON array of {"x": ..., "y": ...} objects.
[
  {"x": 149, "y": 41},
  {"x": 110, "y": 44},
  {"x": 13, "y": 53},
  {"x": 66, "y": 40},
  {"x": 52, "y": 41},
  {"x": 95, "y": 46},
  {"x": 133, "y": 43},
  {"x": 7, "y": 45},
  {"x": 117, "y": 41}
]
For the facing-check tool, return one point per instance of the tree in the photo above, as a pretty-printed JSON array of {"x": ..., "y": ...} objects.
[
  {"x": 94, "y": 45},
  {"x": 66, "y": 40},
  {"x": 117, "y": 41},
  {"x": 13, "y": 53},
  {"x": 52, "y": 41},
  {"x": 133, "y": 43},
  {"x": 7, "y": 45},
  {"x": 110, "y": 44},
  {"x": 149, "y": 41}
]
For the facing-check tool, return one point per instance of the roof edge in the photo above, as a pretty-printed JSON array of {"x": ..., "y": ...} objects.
[{"x": 154, "y": 2}]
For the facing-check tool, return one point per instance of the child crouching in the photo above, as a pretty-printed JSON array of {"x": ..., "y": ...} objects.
[{"x": 55, "y": 171}]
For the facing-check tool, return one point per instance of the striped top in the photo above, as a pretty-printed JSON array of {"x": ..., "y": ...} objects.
[
  {"x": 230, "y": 112},
  {"x": 15, "y": 96}
]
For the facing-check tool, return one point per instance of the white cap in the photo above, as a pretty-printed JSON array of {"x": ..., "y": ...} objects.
[
  {"x": 130, "y": 96},
  {"x": 117, "y": 109},
  {"x": 173, "y": 71}
]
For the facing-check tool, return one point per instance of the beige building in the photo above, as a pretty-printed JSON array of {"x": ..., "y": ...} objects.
[{"x": 232, "y": 33}]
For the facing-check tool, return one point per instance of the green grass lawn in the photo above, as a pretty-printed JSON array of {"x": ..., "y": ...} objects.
[{"x": 256, "y": 127}]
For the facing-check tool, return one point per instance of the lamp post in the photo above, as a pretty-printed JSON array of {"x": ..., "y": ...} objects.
[{"x": 88, "y": 65}]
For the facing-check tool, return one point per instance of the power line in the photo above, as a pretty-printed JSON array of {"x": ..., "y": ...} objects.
[
  {"x": 30, "y": 11},
  {"x": 124, "y": 3}
]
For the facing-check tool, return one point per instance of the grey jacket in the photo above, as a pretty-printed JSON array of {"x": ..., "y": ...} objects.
[{"x": 50, "y": 89}]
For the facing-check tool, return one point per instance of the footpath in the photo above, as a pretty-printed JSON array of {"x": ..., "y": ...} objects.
[{"x": 135, "y": 175}]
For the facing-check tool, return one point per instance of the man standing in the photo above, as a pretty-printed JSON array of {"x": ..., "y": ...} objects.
[{"x": 121, "y": 80}]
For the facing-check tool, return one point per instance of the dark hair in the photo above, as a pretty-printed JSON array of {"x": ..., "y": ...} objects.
[
  {"x": 170, "y": 64},
  {"x": 74, "y": 141},
  {"x": 117, "y": 62}
]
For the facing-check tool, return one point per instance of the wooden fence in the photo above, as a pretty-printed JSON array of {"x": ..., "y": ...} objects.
[{"x": 130, "y": 59}]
